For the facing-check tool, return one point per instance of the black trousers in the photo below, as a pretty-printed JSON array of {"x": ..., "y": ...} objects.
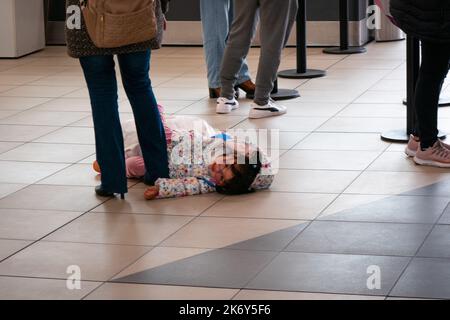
[
  {"x": 432, "y": 74},
  {"x": 100, "y": 75}
]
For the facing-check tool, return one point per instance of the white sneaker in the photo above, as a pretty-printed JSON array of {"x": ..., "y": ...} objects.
[
  {"x": 226, "y": 106},
  {"x": 269, "y": 110}
]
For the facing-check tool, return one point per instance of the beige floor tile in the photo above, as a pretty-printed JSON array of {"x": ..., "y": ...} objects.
[
  {"x": 382, "y": 97},
  {"x": 32, "y": 224},
  {"x": 9, "y": 247},
  {"x": 313, "y": 181},
  {"x": 300, "y": 206},
  {"x": 60, "y": 80},
  {"x": 43, "y": 118},
  {"x": 88, "y": 160},
  {"x": 400, "y": 162},
  {"x": 88, "y": 123},
  {"x": 39, "y": 91},
  {"x": 135, "y": 203},
  {"x": 212, "y": 232},
  {"x": 330, "y": 96},
  {"x": 342, "y": 141},
  {"x": 311, "y": 109},
  {"x": 222, "y": 123},
  {"x": 66, "y": 104},
  {"x": 70, "y": 135},
  {"x": 4, "y": 89},
  {"x": 374, "y": 110},
  {"x": 9, "y": 188},
  {"x": 27, "y": 172},
  {"x": 208, "y": 107},
  {"x": 393, "y": 182},
  {"x": 327, "y": 160},
  {"x": 16, "y": 288},
  {"x": 75, "y": 175},
  {"x": 20, "y": 104},
  {"x": 367, "y": 64},
  {"x": 390, "y": 85},
  {"x": 124, "y": 229},
  {"x": 159, "y": 256},
  {"x": 14, "y": 133},
  {"x": 97, "y": 262},
  {"x": 280, "y": 295},
  {"x": 180, "y": 93},
  {"x": 79, "y": 199},
  {"x": 42, "y": 71},
  {"x": 45, "y": 152},
  {"x": 117, "y": 291},
  {"x": 7, "y": 113},
  {"x": 362, "y": 125},
  {"x": 6, "y": 146},
  {"x": 301, "y": 124}
]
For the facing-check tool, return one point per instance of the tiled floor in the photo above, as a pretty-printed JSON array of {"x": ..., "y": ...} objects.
[{"x": 344, "y": 203}]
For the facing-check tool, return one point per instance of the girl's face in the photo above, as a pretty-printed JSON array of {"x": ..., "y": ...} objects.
[{"x": 220, "y": 170}]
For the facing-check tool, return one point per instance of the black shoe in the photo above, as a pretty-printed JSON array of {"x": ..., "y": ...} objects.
[
  {"x": 214, "y": 93},
  {"x": 103, "y": 193}
]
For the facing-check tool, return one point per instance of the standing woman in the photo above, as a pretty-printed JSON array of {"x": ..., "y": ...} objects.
[
  {"x": 217, "y": 17},
  {"x": 428, "y": 21},
  {"x": 99, "y": 70}
]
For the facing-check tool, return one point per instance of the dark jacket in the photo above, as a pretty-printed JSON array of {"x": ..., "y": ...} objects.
[
  {"x": 80, "y": 45},
  {"x": 424, "y": 19}
]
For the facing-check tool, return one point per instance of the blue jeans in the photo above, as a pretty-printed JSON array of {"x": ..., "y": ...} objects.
[
  {"x": 217, "y": 17},
  {"x": 100, "y": 75}
]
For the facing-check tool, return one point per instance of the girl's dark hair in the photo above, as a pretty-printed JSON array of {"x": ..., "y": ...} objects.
[{"x": 243, "y": 176}]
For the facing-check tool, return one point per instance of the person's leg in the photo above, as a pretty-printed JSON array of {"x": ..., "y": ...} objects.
[
  {"x": 244, "y": 74},
  {"x": 433, "y": 70},
  {"x": 215, "y": 22},
  {"x": 135, "y": 167},
  {"x": 135, "y": 69},
  {"x": 238, "y": 45},
  {"x": 102, "y": 84},
  {"x": 276, "y": 23}
]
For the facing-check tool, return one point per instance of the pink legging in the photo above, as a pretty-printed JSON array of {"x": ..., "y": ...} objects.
[{"x": 135, "y": 166}]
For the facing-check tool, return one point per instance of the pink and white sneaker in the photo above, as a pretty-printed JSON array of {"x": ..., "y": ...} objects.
[
  {"x": 436, "y": 156},
  {"x": 414, "y": 145}
]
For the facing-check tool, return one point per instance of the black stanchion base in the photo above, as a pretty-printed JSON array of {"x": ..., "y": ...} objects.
[
  {"x": 281, "y": 94},
  {"x": 401, "y": 136},
  {"x": 309, "y": 74},
  {"x": 444, "y": 101},
  {"x": 349, "y": 50}
]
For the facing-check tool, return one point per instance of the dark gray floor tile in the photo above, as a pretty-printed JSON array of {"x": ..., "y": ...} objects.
[
  {"x": 445, "y": 219},
  {"x": 438, "y": 189},
  {"x": 328, "y": 273},
  {"x": 361, "y": 238},
  {"x": 425, "y": 278},
  {"x": 275, "y": 241},
  {"x": 400, "y": 209},
  {"x": 437, "y": 244},
  {"x": 221, "y": 268}
]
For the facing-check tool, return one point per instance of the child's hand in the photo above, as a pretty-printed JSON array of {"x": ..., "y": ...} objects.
[{"x": 151, "y": 193}]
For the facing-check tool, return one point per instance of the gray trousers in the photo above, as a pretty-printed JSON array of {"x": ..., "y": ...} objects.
[{"x": 276, "y": 20}]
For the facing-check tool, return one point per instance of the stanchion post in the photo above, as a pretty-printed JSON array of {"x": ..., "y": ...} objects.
[
  {"x": 302, "y": 72},
  {"x": 344, "y": 37}
]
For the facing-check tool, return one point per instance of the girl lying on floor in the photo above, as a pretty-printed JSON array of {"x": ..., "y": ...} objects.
[{"x": 201, "y": 160}]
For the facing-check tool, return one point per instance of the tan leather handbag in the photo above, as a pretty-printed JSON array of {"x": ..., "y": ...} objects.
[{"x": 117, "y": 23}]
